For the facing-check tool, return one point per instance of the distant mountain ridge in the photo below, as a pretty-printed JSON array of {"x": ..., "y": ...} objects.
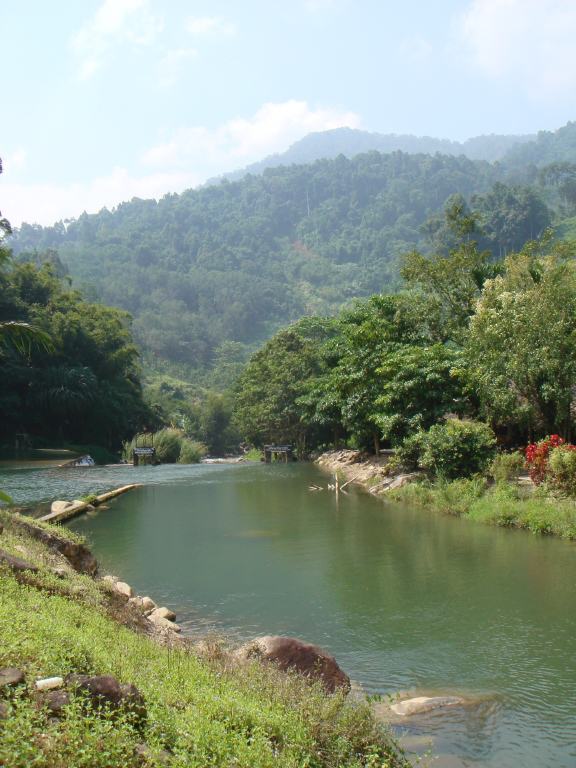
[{"x": 352, "y": 141}]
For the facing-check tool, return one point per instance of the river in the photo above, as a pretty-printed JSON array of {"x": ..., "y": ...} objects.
[{"x": 405, "y": 599}]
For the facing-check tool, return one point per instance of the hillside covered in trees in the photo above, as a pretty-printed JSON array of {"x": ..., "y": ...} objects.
[{"x": 211, "y": 274}]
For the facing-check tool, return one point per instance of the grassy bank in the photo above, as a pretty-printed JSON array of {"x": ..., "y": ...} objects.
[
  {"x": 200, "y": 710},
  {"x": 506, "y": 504}
]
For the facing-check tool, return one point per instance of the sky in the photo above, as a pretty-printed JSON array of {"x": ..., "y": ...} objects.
[{"x": 104, "y": 100}]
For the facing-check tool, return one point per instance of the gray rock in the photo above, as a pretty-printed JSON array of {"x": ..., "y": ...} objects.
[
  {"x": 148, "y": 604},
  {"x": 10, "y": 677},
  {"x": 136, "y": 601},
  {"x": 160, "y": 621},
  {"x": 60, "y": 506},
  {"x": 289, "y": 653},
  {"x": 124, "y": 589},
  {"x": 164, "y": 613},
  {"x": 421, "y": 704}
]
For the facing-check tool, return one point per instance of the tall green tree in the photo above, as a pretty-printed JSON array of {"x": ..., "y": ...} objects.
[{"x": 521, "y": 346}]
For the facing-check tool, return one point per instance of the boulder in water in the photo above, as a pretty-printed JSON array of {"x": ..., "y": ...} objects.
[
  {"x": 422, "y": 704},
  {"x": 289, "y": 653}
]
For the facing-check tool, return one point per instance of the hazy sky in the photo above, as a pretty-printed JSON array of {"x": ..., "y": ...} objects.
[{"x": 103, "y": 101}]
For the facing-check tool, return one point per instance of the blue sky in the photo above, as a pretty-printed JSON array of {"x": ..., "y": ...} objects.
[{"x": 105, "y": 100}]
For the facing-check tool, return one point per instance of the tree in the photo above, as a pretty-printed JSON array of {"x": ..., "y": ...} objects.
[
  {"x": 419, "y": 387},
  {"x": 521, "y": 347},
  {"x": 367, "y": 336},
  {"x": 268, "y": 394},
  {"x": 450, "y": 285},
  {"x": 89, "y": 390}
]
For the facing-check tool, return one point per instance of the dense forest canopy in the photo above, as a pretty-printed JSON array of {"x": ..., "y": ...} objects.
[
  {"x": 353, "y": 141},
  {"x": 490, "y": 341},
  {"x": 237, "y": 261}
]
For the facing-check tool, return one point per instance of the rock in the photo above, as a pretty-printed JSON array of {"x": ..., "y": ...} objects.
[
  {"x": 160, "y": 621},
  {"x": 60, "y": 572},
  {"x": 16, "y": 564},
  {"x": 124, "y": 589},
  {"x": 79, "y": 556},
  {"x": 49, "y": 683},
  {"x": 55, "y": 701},
  {"x": 10, "y": 677},
  {"x": 143, "y": 750},
  {"x": 148, "y": 604},
  {"x": 290, "y": 653},
  {"x": 105, "y": 690},
  {"x": 136, "y": 601},
  {"x": 3, "y": 711},
  {"x": 163, "y": 613},
  {"x": 422, "y": 704},
  {"x": 59, "y": 506}
]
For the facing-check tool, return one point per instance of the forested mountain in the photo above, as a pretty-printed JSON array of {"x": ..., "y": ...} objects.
[
  {"x": 547, "y": 147},
  {"x": 350, "y": 142},
  {"x": 212, "y": 273}
]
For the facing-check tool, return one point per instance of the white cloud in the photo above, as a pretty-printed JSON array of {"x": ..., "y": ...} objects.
[
  {"x": 116, "y": 21},
  {"x": 528, "y": 42},
  {"x": 171, "y": 64},
  {"x": 13, "y": 161},
  {"x": 272, "y": 129},
  {"x": 46, "y": 203},
  {"x": 206, "y": 25}
]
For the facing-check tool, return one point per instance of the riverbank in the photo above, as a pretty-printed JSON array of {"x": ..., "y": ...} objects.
[
  {"x": 189, "y": 706},
  {"x": 509, "y": 504}
]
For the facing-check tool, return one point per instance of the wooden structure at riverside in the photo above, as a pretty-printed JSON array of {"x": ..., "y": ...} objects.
[
  {"x": 145, "y": 453},
  {"x": 276, "y": 449}
]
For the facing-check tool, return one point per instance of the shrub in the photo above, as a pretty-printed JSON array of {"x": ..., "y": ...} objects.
[
  {"x": 458, "y": 448},
  {"x": 409, "y": 453},
  {"x": 562, "y": 466},
  {"x": 537, "y": 456},
  {"x": 191, "y": 451},
  {"x": 507, "y": 466},
  {"x": 167, "y": 442}
]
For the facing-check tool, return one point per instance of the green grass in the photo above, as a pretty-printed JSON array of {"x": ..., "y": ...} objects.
[
  {"x": 254, "y": 454},
  {"x": 203, "y": 712},
  {"x": 506, "y": 504}
]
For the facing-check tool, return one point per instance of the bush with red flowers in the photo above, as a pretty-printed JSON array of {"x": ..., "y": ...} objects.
[{"x": 552, "y": 461}]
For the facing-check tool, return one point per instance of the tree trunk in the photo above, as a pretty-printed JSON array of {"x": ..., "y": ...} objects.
[
  {"x": 335, "y": 438},
  {"x": 377, "y": 444}
]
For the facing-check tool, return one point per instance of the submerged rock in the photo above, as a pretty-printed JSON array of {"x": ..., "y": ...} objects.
[
  {"x": 421, "y": 704},
  {"x": 289, "y": 653}
]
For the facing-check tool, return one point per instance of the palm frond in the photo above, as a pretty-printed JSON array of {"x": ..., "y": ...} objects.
[{"x": 23, "y": 335}]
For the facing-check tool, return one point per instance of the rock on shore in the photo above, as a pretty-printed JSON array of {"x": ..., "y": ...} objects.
[{"x": 289, "y": 653}]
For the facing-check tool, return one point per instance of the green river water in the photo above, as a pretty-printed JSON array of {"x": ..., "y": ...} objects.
[{"x": 406, "y": 600}]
